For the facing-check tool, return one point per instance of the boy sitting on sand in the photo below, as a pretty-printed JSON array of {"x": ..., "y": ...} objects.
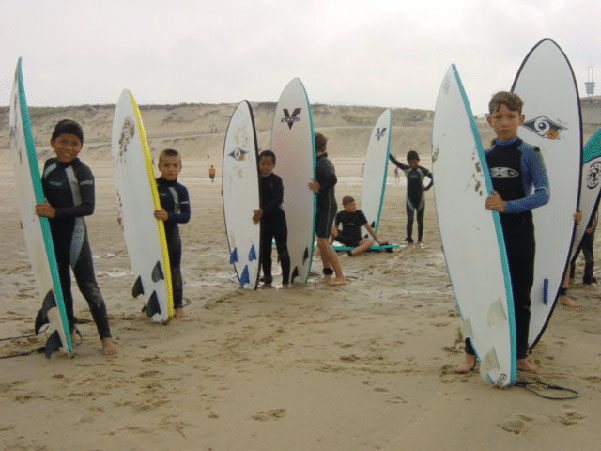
[
  {"x": 520, "y": 184},
  {"x": 352, "y": 220}
]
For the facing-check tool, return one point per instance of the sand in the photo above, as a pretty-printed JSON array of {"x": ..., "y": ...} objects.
[{"x": 365, "y": 366}]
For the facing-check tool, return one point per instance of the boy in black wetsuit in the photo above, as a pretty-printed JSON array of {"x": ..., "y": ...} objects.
[
  {"x": 352, "y": 220},
  {"x": 323, "y": 185},
  {"x": 175, "y": 209},
  {"x": 68, "y": 186},
  {"x": 273, "y": 219},
  {"x": 415, "y": 193},
  {"x": 520, "y": 184}
]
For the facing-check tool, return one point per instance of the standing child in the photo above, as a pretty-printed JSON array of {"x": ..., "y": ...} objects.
[
  {"x": 323, "y": 185},
  {"x": 272, "y": 217},
  {"x": 68, "y": 186},
  {"x": 520, "y": 184},
  {"x": 175, "y": 209},
  {"x": 352, "y": 220},
  {"x": 415, "y": 193}
]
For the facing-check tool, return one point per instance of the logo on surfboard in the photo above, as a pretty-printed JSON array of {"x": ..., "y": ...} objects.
[
  {"x": 544, "y": 127},
  {"x": 380, "y": 132},
  {"x": 238, "y": 154},
  {"x": 594, "y": 175},
  {"x": 290, "y": 119},
  {"x": 127, "y": 133}
]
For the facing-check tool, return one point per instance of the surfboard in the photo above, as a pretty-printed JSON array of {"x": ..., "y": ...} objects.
[
  {"x": 138, "y": 197},
  {"x": 293, "y": 142},
  {"x": 241, "y": 195},
  {"x": 590, "y": 186},
  {"x": 471, "y": 236},
  {"x": 375, "y": 170},
  {"x": 339, "y": 247},
  {"x": 36, "y": 229},
  {"x": 546, "y": 83}
]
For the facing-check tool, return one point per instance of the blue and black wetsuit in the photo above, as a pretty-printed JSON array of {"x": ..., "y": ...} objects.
[
  {"x": 273, "y": 225},
  {"x": 176, "y": 202},
  {"x": 326, "y": 199},
  {"x": 415, "y": 196},
  {"x": 518, "y": 174},
  {"x": 69, "y": 188}
]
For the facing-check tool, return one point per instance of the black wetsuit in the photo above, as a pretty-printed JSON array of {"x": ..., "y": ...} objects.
[
  {"x": 415, "y": 196},
  {"x": 69, "y": 188},
  {"x": 176, "y": 202},
  {"x": 515, "y": 168},
  {"x": 586, "y": 246},
  {"x": 326, "y": 200},
  {"x": 273, "y": 225},
  {"x": 350, "y": 235}
]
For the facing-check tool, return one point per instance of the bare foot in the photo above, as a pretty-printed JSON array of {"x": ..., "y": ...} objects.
[
  {"x": 529, "y": 367},
  {"x": 108, "y": 346},
  {"x": 564, "y": 299},
  {"x": 468, "y": 364},
  {"x": 179, "y": 313},
  {"x": 76, "y": 339},
  {"x": 266, "y": 285},
  {"x": 325, "y": 279},
  {"x": 587, "y": 285},
  {"x": 337, "y": 281},
  {"x": 420, "y": 244},
  {"x": 285, "y": 286},
  {"x": 143, "y": 315}
]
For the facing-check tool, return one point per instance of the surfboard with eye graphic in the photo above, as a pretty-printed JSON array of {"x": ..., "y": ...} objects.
[
  {"x": 241, "y": 195},
  {"x": 546, "y": 84}
]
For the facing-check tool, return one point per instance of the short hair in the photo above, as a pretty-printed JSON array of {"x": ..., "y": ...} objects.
[
  {"x": 347, "y": 200},
  {"x": 321, "y": 142},
  {"x": 412, "y": 155},
  {"x": 510, "y": 99},
  {"x": 69, "y": 127},
  {"x": 269, "y": 154},
  {"x": 168, "y": 153}
]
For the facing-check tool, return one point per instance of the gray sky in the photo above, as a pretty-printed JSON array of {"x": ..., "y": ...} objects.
[{"x": 385, "y": 53}]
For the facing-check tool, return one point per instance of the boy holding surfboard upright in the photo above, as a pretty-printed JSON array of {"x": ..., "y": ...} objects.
[
  {"x": 68, "y": 186},
  {"x": 323, "y": 185},
  {"x": 175, "y": 209},
  {"x": 520, "y": 184},
  {"x": 273, "y": 219}
]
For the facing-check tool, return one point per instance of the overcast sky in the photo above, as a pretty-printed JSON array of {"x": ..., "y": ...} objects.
[{"x": 384, "y": 53}]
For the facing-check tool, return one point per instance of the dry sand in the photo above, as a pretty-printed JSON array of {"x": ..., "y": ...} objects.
[{"x": 365, "y": 366}]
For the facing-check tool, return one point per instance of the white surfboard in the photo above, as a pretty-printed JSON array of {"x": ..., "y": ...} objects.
[
  {"x": 241, "y": 194},
  {"x": 471, "y": 236},
  {"x": 590, "y": 186},
  {"x": 36, "y": 230},
  {"x": 293, "y": 142},
  {"x": 375, "y": 170},
  {"x": 138, "y": 197},
  {"x": 546, "y": 84}
]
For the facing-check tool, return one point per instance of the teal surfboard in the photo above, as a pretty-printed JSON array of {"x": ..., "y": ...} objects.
[
  {"x": 339, "y": 247},
  {"x": 36, "y": 230}
]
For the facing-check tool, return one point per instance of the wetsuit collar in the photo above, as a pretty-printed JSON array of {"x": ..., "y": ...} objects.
[
  {"x": 62, "y": 165},
  {"x": 265, "y": 176},
  {"x": 168, "y": 182},
  {"x": 509, "y": 142}
]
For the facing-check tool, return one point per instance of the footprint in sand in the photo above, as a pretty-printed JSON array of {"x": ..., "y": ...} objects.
[
  {"x": 149, "y": 373},
  {"x": 515, "y": 425},
  {"x": 269, "y": 415}
]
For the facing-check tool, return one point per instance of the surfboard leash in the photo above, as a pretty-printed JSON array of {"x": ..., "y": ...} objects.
[
  {"x": 17, "y": 337},
  {"x": 39, "y": 350},
  {"x": 529, "y": 385}
]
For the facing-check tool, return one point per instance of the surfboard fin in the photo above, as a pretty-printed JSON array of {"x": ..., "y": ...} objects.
[
  {"x": 245, "y": 276},
  {"x": 294, "y": 274},
  {"x": 234, "y": 256},
  {"x": 252, "y": 255},
  {"x": 42, "y": 316},
  {"x": 489, "y": 362},
  {"x": 137, "y": 289},
  {"x": 152, "y": 306},
  {"x": 157, "y": 272},
  {"x": 52, "y": 344},
  {"x": 545, "y": 291},
  {"x": 496, "y": 312},
  {"x": 305, "y": 255},
  {"x": 466, "y": 328}
]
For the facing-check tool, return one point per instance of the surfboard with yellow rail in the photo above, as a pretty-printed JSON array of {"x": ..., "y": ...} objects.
[{"x": 138, "y": 197}]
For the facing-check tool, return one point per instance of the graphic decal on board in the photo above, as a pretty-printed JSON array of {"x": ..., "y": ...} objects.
[
  {"x": 545, "y": 127},
  {"x": 380, "y": 133},
  {"x": 127, "y": 132},
  {"x": 238, "y": 154},
  {"x": 291, "y": 119},
  {"x": 594, "y": 173}
]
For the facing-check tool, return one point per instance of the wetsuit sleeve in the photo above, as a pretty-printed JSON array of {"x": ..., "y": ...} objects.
[
  {"x": 276, "y": 197},
  {"x": 362, "y": 218},
  {"x": 404, "y": 167},
  {"x": 338, "y": 218},
  {"x": 430, "y": 176},
  {"x": 184, "y": 214},
  {"x": 535, "y": 176},
  {"x": 85, "y": 179},
  {"x": 326, "y": 176}
]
